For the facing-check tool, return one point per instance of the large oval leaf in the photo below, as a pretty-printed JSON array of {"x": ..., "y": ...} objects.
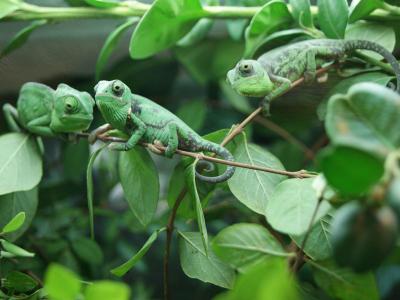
[
  {"x": 166, "y": 22},
  {"x": 362, "y": 8},
  {"x": 254, "y": 188},
  {"x": 139, "y": 180},
  {"x": 8, "y": 6},
  {"x": 292, "y": 206},
  {"x": 20, "y": 163},
  {"x": 302, "y": 12},
  {"x": 332, "y": 17},
  {"x": 366, "y": 118},
  {"x": 270, "y": 18}
]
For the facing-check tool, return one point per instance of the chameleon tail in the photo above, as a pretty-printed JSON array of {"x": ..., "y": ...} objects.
[
  {"x": 220, "y": 151},
  {"x": 352, "y": 45}
]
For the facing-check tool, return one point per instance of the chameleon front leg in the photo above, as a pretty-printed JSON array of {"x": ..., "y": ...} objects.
[
  {"x": 40, "y": 126},
  {"x": 135, "y": 137},
  {"x": 12, "y": 118},
  {"x": 282, "y": 85},
  {"x": 92, "y": 138}
]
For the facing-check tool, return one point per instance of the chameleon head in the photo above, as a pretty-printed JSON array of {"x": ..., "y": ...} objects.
[
  {"x": 73, "y": 110},
  {"x": 249, "y": 78},
  {"x": 112, "y": 93}
]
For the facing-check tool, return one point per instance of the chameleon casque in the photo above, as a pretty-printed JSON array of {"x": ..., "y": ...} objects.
[
  {"x": 273, "y": 72},
  {"x": 145, "y": 121},
  {"x": 50, "y": 113}
]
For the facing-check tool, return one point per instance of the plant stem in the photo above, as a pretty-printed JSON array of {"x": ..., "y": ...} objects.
[{"x": 384, "y": 66}]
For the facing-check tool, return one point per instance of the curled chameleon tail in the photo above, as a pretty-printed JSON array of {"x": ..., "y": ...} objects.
[
  {"x": 221, "y": 151},
  {"x": 352, "y": 45}
]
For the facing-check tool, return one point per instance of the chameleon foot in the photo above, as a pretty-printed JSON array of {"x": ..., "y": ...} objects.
[{"x": 118, "y": 146}]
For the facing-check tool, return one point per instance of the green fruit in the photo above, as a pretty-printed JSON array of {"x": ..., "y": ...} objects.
[
  {"x": 393, "y": 196},
  {"x": 362, "y": 237}
]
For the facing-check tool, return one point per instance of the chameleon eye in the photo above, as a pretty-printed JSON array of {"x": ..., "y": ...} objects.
[
  {"x": 71, "y": 104},
  {"x": 118, "y": 88},
  {"x": 246, "y": 69}
]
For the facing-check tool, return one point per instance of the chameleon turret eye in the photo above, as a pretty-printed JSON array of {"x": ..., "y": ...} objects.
[
  {"x": 118, "y": 88},
  {"x": 246, "y": 69},
  {"x": 71, "y": 104}
]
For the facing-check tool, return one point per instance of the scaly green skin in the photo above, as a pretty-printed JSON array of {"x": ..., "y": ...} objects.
[
  {"x": 272, "y": 74},
  {"x": 51, "y": 113},
  {"x": 145, "y": 121}
]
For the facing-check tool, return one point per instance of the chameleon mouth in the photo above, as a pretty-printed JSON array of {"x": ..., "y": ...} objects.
[{"x": 106, "y": 97}]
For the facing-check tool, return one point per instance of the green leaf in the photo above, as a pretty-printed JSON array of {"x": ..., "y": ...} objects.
[
  {"x": 196, "y": 264},
  {"x": 349, "y": 170},
  {"x": 61, "y": 283},
  {"x": 362, "y": 8},
  {"x": 15, "y": 223},
  {"x": 380, "y": 34},
  {"x": 103, "y": 3},
  {"x": 292, "y": 206},
  {"x": 302, "y": 13},
  {"x": 20, "y": 163},
  {"x": 21, "y": 37},
  {"x": 318, "y": 245},
  {"x": 19, "y": 282},
  {"x": 88, "y": 251},
  {"x": 254, "y": 188},
  {"x": 198, "y": 32},
  {"x": 89, "y": 187},
  {"x": 272, "y": 17},
  {"x": 366, "y": 118},
  {"x": 343, "y": 284},
  {"x": 166, "y": 22},
  {"x": 238, "y": 102},
  {"x": 8, "y": 6},
  {"x": 344, "y": 85},
  {"x": 124, "y": 268},
  {"x": 243, "y": 243},
  {"x": 106, "y": 290},
  {"x": 110, "y": 44},
  {"x": 333, "y": 17},
  {"x": 14, "y": 203},
  {"x": 192, "y": 189},
  {"x": 139, "y": 180},
  {"x": 16, "y": 250},
  {"x": 193, "y": 113},
  {"x": 270, "y": 279}
]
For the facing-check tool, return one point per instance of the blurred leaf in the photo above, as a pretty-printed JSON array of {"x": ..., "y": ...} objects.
[
  {"x": 124, "y": 268},
  {"x": 362, "y": 8},
  {"x": 103, "y": 3},
  {"x": 107, "y": 290},
  {"x": 20, "y": 163},
  {"x": 318, "y": 245},
  {"x": 21, "y": 37},
  {"x": 87, "y": 250},
  {"x": 209, "y": 60},
  {"x": 139, "y": 180},
  {"x": 343, "y": 86},
  {"x": 267, "y": 280},
  {"x": 368, "y": 31},
  {"x": 198, "y": 32},
  {"x": 344, "y": 284},
  {"x": 270, "y": 18},
  {"x": 14, "y": 249},
  {"x": 349, "y": 170},
  {"x": 193, "y": 113},
  {"x": 110, "y": 44},
  {"x": 89, "y": 187},
  {"x": 366, "y": 118},
  {"x": 163, "y": 25},
  {"x": 302, "y": 13},
  {"x": 19, "y": 282},
  {"x": 242, "y": 182},
  {"x": 8, "y": 6},
  {"x": 14, "y": 203},
  {"x": 239, "y": 102},
  {"x": 333, "y": 17},
  {"x": 192, "y": 189},
  {"x": 197, "y": 264},
  {"x": 244, "y": 243},
  {"x": 16, "y": 222},
  {"x": 75, "y": 160},
  {"x": 61, "y": 283},
  {"x": 292, "y": 206}
]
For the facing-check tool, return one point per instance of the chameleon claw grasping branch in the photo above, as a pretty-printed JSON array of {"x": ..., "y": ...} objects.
[
  {"x": 273, "y": 73},
  {"x": 145, "y": 121}
]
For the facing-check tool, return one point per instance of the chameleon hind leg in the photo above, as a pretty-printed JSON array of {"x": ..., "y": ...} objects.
[
  {"x": 311, "y": 67},
  {"x": 174, "y": 133},
  {"x": 12, "y": 118}
]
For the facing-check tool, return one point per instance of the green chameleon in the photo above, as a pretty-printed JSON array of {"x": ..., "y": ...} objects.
[
  {"x": 145, "y": 121},
  {"x": 272, "y": 73},
  {"x": 50, "y": 113}
]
